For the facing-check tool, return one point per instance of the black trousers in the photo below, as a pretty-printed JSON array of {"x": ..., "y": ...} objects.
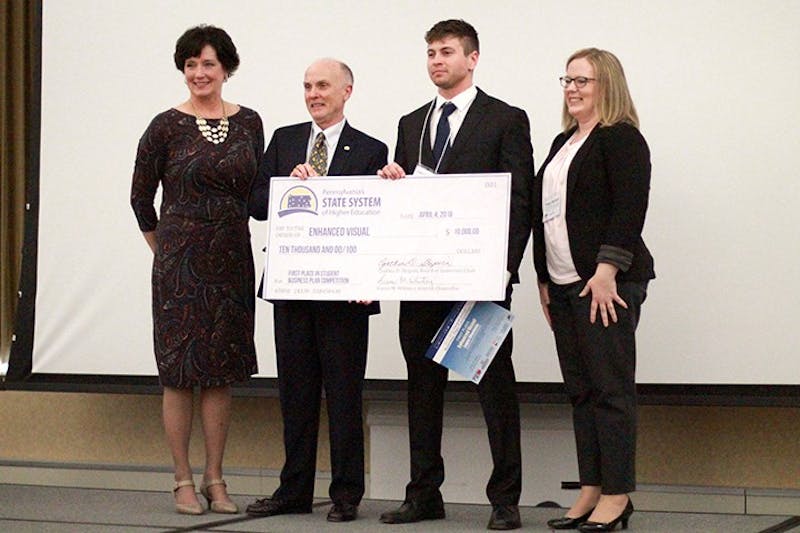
[
  {"x": 599, "y": 365},
  {"x": 321, "y": 344},
  {"x": 427, "y": 380}
]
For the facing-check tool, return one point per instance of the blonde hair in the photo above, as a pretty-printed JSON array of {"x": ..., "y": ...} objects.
[{"x": 614, "y": 103}]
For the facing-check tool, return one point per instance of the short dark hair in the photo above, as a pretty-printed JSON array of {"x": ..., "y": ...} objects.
[
  {"x": 193, "y": 40},
  {"x": 455, "y": 28}
]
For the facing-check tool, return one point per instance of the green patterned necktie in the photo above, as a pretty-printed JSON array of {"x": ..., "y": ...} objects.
[{"x": 318, "y": 159}]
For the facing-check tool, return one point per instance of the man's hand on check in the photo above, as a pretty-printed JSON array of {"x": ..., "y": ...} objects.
[
  {"x": 303, "y": 171},
  {"x": 392, "y": 171}
]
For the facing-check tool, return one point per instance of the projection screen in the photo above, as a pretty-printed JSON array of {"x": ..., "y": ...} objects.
[{"x": 715, "y": 84}]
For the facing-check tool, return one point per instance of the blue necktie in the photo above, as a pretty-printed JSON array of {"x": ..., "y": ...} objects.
[{"x": 442, "y": 131}]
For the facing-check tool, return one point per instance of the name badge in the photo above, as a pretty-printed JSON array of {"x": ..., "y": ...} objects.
[
  {"x": 422, "y": 170},
  {"x": 552, "y": 207}
]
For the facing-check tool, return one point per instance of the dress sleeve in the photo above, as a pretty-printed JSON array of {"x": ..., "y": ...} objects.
[
  {"x": 259, "y": 193},
  {"x": 147, "y": 174},
  {"x": 258, "y": 136}
]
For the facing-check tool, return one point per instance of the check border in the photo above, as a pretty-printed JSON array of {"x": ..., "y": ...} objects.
[{"x": 441, "y": 237}]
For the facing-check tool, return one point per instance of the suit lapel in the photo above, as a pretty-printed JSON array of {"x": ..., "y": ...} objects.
[
  {"x": 298, "y": 144},
  {"x": 426, "y": 151},
  {"x": 341, "y": 158},
  {"x": 469, "y": 126}
]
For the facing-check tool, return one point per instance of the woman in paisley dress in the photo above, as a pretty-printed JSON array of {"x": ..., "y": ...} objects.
[{"x": 204, "y": 154}]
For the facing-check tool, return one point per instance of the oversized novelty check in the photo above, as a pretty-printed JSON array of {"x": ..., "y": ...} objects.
[{"x": 440, "y": 237}]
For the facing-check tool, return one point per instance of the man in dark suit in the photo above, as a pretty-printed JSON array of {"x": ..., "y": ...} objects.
[
  {"x": 319, "y": 343},
  {"x": 462, "y": 131}
]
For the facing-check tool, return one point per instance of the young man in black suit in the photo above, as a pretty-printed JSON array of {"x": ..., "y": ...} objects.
[
  {"x": 319, "y": 343},
  {"x": 483, "y": 134}
]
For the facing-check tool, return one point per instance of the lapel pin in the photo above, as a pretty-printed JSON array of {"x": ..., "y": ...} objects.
[{"x": 347, "y": 148}]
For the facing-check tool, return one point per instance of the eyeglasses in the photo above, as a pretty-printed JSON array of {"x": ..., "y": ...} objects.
[{"x": 580, "y": 81}]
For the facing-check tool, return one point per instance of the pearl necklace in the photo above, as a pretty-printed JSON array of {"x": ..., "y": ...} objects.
[{"x": 213, "y": 134}]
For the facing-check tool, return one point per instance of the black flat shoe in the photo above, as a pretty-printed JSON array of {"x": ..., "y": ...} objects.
[
  {"x": 414, "y": 511},
  {"x": 343, "y": 512},
  {"x": 273, "y": 507},
  {"x": 566, "y": 522},
  {"x": 504, "y": 517},
  {"x": 622, "y": 519}
]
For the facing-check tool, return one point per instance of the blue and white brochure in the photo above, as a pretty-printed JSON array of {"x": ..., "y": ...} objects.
[{"x": 469, "y": 338}]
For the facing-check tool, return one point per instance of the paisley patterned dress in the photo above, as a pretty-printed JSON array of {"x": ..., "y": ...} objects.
[{"x": 203, "y": 274}]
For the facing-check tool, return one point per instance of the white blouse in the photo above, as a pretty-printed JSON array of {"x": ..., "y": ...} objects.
[{"x": 554, "y": 206}]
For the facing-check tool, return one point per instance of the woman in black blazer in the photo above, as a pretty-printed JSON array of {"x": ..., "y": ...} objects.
[{"x": 593, "y": 268}]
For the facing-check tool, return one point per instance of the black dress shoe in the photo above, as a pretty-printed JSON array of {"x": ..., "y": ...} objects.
[
  {"x": 565, "y": 522},
  {"x": 504, "y": 517},
  {"x": 271, "y": 507},
  {"x": 414, "y": 511},
  {"x": 622, "y": 519},
  {"x": 343, "y": 512}
]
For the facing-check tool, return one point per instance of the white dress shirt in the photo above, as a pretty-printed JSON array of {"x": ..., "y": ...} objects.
[{"x": 462, "y": 101}]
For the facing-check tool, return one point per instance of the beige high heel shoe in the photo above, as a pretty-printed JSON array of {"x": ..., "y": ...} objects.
[
  {"x": 186, "y": 508},
  {"x": 217, "y": 506}
]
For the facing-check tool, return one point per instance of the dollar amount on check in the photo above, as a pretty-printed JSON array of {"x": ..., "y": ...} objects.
[{"x": 438, "y": 237}]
